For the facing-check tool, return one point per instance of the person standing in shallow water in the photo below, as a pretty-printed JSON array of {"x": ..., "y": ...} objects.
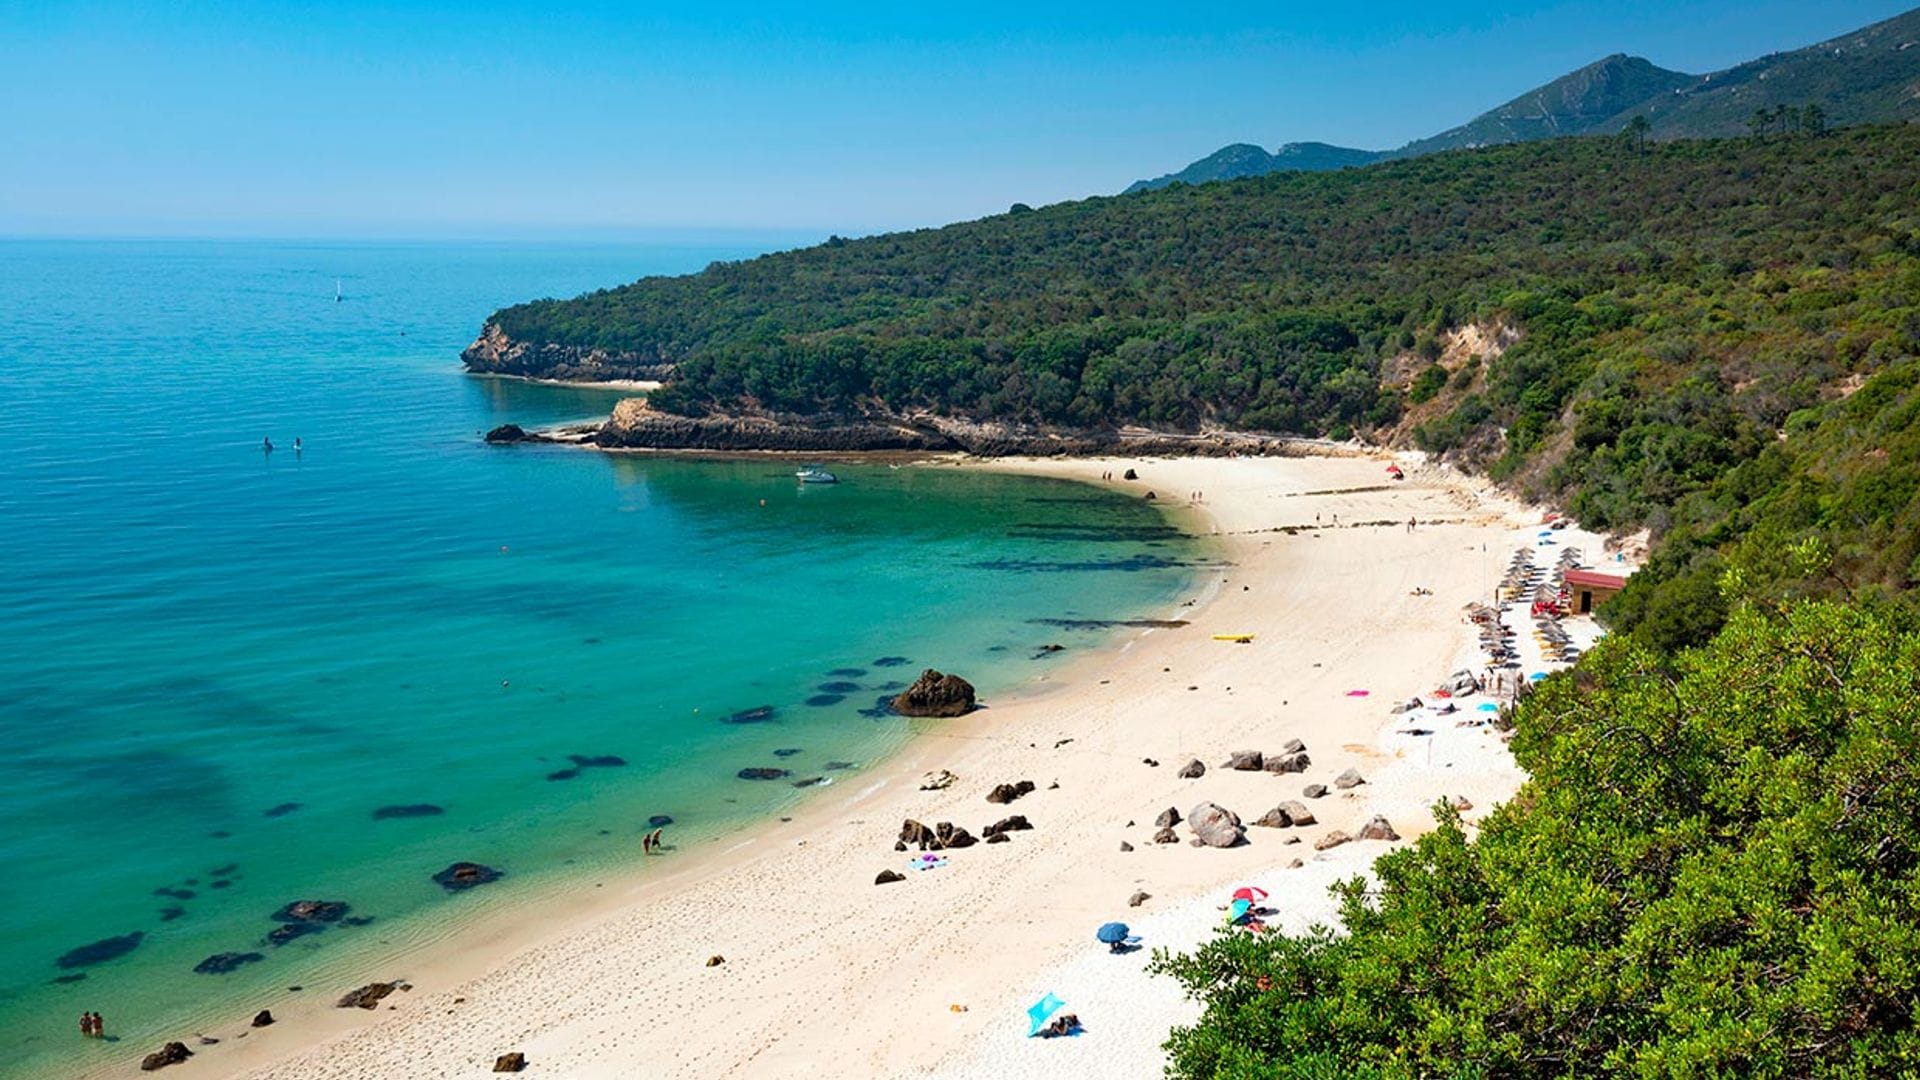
[{"x": 266, "y": 445}]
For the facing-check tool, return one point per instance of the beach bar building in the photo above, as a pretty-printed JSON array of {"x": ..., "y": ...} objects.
[{"x": 1587, "y": 589}]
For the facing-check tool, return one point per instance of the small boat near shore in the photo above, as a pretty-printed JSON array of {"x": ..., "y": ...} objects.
[{"x": 815, "y": 475}]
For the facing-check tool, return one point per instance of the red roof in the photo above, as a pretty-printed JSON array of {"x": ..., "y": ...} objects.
[{"x": 1595, "y": 580}]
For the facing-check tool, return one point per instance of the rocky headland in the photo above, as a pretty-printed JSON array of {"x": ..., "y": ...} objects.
[
  {"x": 496, "y": 353},
  {"x": 635, "y": 425}
]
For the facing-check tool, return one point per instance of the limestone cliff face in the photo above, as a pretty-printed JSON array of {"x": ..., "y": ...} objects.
[
  {"x": 495, "y": 353},
  {"x": 635, "y": 425}
]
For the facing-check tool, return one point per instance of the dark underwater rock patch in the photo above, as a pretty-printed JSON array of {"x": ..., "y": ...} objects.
[
  {"x": 597, "y": 761},
  {"x": 836, "y": 766},
  {"x": 763, "y": 773},
  {"x": 892, "y": 661},
  {"x": 660, "y": 821},
  {"x": 281, "y": 935},
  {"x": 466, "y": 875},
  {"x": 281, "y": 810},
  {"x": 408, "y": 810},
  {"x": 837, "y": 687},
  {"x": 821, "y": 701},
  {"x": 847, "y": 672},
  {"x": 312, "y": 911},
  {"x": 175, "y": 893},
  {"x": 756, "y": 715},
  {"x": 786, "y": 752},
  {"x": 224, "y": 871},
  {"x": 99, "y": 952},
  {"x": 222, "y": 963},
  {"x": 168, "y": 914}
]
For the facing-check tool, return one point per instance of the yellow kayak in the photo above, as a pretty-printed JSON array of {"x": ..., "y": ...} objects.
[{"x": 1239, "y": 638}]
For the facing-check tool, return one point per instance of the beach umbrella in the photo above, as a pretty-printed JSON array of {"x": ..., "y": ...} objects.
[
  {"x": 1112, "y": 933},
  {"x": 1488, "y": 706},
  {"x": 1238, "y": 910},
  {"x": 1041, "y": 1011},
  {"x": 1537, "y": 676},
  {"x": 1248, "y": 892}
]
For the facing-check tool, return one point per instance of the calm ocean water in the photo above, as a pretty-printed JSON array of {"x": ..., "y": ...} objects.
[{"x": 216, "y": 665}]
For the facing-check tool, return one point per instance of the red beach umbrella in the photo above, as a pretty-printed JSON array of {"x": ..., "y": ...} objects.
[{"x": 1249, "y": 893}]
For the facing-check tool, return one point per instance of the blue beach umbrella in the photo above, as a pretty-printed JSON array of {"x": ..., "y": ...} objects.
[
  {"x": 1112, "y": 933},
  {"x": 1238, "y": 910},
  {"x": 1537, "y": 676},
  {"x": 1040, "y": 1012},
  {"x": 1488, "y": 706}
]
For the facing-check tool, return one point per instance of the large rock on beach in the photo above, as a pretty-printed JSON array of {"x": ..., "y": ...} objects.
[
  {"x": 263, "y": 1018},
  {"x": 366, "y": 997},
  {"x": 935, "y": 694},
  {"x": 1167, "y": 819},
  {"x": 1293, "y": 746},
  {"x": 1275, "y": 818},
  {"x": 1378, "y": 828},
  {"x": 888, "y": 877},
  {"x": 171, "y": 1054},
  {"x": 1297, "y": 812},
  {"x": 1245, "y": 760},
  {"x": 1314, "y": 791},
  {"x": 513, "y": 1062},
  {"x": 1192, "y": 770},
  {"x": 1332, "y": 840},
  {"x": 1216, "y": 826},
  {"x": 1166, "y": 836},
  {"x": 466, "y": 875},
  {"x": 1351, "y": 778},
  {"x": 1289, "y": 763}
]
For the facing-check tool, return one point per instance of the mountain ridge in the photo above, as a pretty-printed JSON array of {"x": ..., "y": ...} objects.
[{"x": 1867, "y": 75}]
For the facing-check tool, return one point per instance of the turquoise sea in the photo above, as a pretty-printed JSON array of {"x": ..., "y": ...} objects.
[{"x": 218, "y": 666}]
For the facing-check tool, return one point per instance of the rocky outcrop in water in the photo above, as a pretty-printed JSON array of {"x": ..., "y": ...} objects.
[
  {"x": 465, "y": 875},
  {"x": 99, "y": 952},
  {"x": 494, "y": 353},
  {"x": 935, "y": 694}
]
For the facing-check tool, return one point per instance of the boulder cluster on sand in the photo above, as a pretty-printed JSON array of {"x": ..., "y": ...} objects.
[
  {"x": 1006, "y": 793},
  {"x": 935, "y": 694},
  {"x": 1285, "y": 815},
  {"x": 999, "y": 829},
  {"x": 942, "y": 836},
  {"x": 171, "y": 1054}
]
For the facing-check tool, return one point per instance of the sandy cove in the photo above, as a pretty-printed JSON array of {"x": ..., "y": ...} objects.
[{"x": 826, "y": 973}]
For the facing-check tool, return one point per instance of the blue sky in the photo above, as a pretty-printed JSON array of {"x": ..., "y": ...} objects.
[{"x": 411, "y": 119}]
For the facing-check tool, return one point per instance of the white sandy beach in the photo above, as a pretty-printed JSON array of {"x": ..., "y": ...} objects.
[{"x": 826, "y": 973}]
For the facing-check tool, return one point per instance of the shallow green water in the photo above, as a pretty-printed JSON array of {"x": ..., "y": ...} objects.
[{"x": 216, "y": 664}]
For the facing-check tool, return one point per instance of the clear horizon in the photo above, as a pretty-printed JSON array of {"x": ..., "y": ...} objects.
[{"x": 404, "y": 121}]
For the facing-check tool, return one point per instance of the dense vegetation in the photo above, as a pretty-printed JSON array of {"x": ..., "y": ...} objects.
[{"x": 1713, "y": 871}]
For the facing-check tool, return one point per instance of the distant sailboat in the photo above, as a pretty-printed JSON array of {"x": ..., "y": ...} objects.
[{"x": 336, "y": 290}]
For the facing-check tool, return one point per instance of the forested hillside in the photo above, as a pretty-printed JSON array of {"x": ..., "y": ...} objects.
[{"x": 1678, "y": 307}]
